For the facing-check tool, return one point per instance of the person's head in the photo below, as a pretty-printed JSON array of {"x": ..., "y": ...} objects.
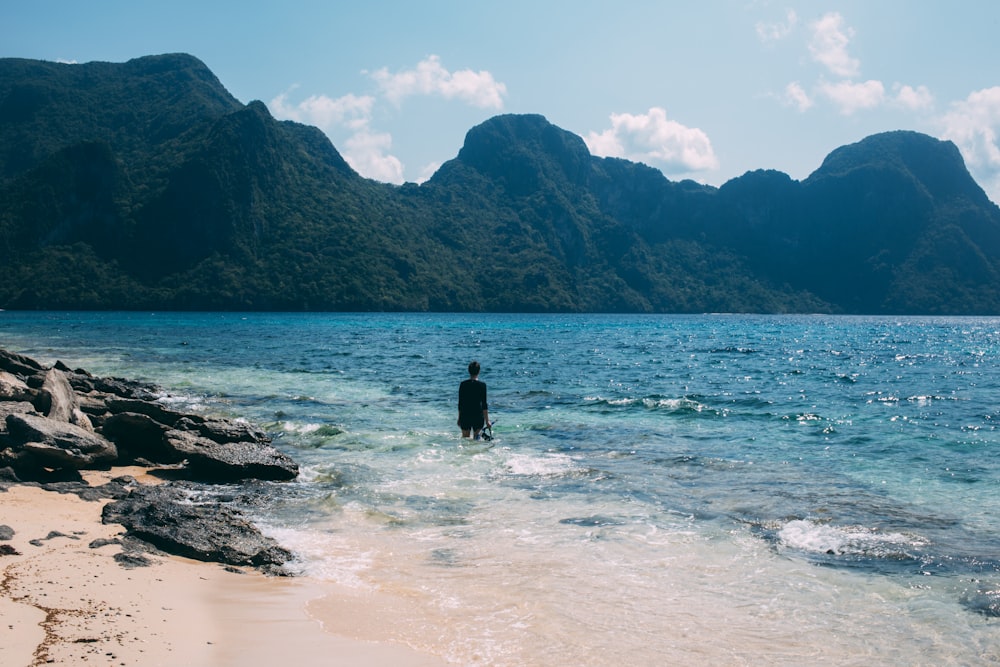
[{"x": 473, "y": 369}]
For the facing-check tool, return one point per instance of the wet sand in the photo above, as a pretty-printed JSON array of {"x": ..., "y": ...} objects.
[{"x": 63, "y": 602}]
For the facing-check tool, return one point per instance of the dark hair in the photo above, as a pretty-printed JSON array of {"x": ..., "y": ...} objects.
[{"x": 473, "y": 368}]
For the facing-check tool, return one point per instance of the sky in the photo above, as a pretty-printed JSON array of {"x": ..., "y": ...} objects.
[{"x": 705, "y": 90}]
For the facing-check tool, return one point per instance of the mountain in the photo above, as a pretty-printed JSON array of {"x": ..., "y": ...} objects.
[{"x": 146, "y": 185}]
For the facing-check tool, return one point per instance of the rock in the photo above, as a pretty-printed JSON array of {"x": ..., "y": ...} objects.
[
  {"x": 19, "y": 365},
  {"x": 116, "y": 489},
  {"x": 132, "y": 427},
  {"x": 151, "y": 409},
  {"x": 12, "y": 388},
  {"x": 7, "y": 455},
  {"x": 8, "y": 477},
  {"x": 15, "y": 408},
  {"x": 55, "y": 444},
  {"x": 210, "y": 461},
  {"x": 223, "y": 430},
  {"x": 142, "y": 437},
  {"x": 139, "y": 436},
  {"x": 6, "y": 533},
  {"x": 165, "y": 517},
  {"x": 104, "y": 542},
  {"x": 53, "y": 534},
  {"x": 58, "y": 400},
  {"x": 130, "y": 561},
  {"x": 86, "y": 383}
]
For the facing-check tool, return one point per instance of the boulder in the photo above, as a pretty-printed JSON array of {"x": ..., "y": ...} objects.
[
  {"x": 95, "y": 405},
  {"x": 19, "y": 365},
  {"x": 58, "y": 400},
  {"x": 165, "y": 517},
  {"x": 15, "y": 408},
  {"x": 7, "y": 455},
  {"x": 86, "y": 383},
  {"x": 139, "y": 436},
  {"x": 223, "y": 430},
  {"x": 154, "y": 410},
  {"x": 211, "y": 461},
  {"x": 116, "y": 489},
  {"x": 13, "y": 388},
  {"x": 53, "y": 444}
]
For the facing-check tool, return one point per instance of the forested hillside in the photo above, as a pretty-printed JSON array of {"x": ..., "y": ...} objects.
[{"x": 146, "y": 185}]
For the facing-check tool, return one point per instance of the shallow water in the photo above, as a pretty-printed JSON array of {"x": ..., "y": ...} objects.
[{"x": 720, "y": 490}]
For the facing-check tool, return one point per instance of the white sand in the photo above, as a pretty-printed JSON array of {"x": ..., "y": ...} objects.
[{"x": 64, "y": 603}]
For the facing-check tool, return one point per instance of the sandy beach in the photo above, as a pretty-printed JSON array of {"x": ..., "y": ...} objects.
[{"x": 65, "y": 602}]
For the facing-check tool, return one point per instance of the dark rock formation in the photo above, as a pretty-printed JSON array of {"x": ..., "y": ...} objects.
[
  {"x": 230, "y": 461},
  {"x": 49, "y": 443},
  {"x": 19, "y": 364},
  {"x": 12, "y": 388},
  {"x": 58, "y": 401},
  {"x": 56, "y": 421},
  {"x": 215, "y": 450},
  {"x": 165, "y": 517},
  {"x": 92, "y": 422}
]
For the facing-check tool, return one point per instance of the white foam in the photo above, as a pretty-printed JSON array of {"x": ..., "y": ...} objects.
[
  {"x": 546, "y": 465},
  {"x": 815, "y": 537},
  {"x": 323, "y": 555}
]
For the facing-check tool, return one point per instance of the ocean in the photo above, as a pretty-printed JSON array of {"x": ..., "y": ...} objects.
[{"x": 689, "y": 490}]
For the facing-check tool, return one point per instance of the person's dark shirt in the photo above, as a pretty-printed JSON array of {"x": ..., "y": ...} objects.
[{"x": 472, "y": 399}]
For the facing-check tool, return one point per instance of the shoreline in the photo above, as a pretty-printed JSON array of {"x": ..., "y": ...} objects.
[{"x": 65, "y": 601}]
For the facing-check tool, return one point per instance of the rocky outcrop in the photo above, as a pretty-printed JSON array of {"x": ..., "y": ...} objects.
[
  {"x": 58, "y": 400},
  {"x": 13, "y": 388},
  {"x": 166, "y": 517},
  {"x": 49, "y": 443},
  {"x": 57, "y": 418},
  {"x": 55, "y": 422}
]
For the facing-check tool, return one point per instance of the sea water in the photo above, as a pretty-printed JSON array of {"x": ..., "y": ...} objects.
[{"x": 717, "y": 489}]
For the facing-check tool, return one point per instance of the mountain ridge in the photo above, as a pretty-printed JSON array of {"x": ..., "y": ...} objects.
[{"x": 171, "y": 194}]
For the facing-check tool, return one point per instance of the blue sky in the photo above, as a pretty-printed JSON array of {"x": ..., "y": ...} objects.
[{"x": 704, "y": 90}]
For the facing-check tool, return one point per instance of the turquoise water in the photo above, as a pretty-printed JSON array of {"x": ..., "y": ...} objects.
[{"x": 661, "y": 490}]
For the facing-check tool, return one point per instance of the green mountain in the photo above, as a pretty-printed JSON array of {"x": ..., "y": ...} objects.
[{"x": 146, "y": 185}]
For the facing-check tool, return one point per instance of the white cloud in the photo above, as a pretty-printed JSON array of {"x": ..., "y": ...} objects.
[
  {"x": 365, "y": 150},
  {"x": 427, "y": 171},
  {"x": 851, "y": 97},
  {"x": 796, "y": 96},
  {"x": 829, "y": 45},
  {"x": 773, "y": 32},
  {"x": 914, "y": 99},
  {"x": 654, "y": 139},
  {"x": 324, "y": 112},
  {"x": 973, "y": 124},
  {"x": 429, "y": 77},
  {"x": 368, "y": 153}
]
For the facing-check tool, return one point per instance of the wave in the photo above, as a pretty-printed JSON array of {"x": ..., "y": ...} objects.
[
  {"x": 920, "y": 399},
  {"x": 682, "y": 405},
  {"x": 549, "y": 465},
  {"x": 733, "y": 349},
  {"x": 810, "y": 536}
]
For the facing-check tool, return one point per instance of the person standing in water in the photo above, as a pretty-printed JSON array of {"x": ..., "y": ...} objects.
[{"x": 473, "y": 410}]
